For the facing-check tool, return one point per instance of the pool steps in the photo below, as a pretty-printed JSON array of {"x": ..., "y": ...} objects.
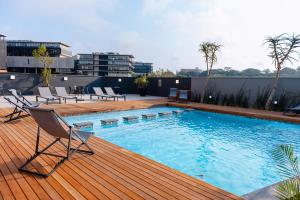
[
  {"x": 177, "y": 111},
  {"x": 129, "y": 118},
  {"x": 87, "y": 124},
  {"x": 165, "y": 113},
  {"x": 109, "y": 121}
]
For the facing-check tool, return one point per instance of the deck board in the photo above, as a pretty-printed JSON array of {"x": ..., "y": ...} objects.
[{"x": 111, "y": 173}]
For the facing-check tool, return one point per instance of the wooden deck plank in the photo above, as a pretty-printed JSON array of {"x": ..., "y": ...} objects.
[
  {"x": 111, "y": 173},
  {"x": 45, "y": 183},
  {"x": 66, "y": 175},
  {"x": 4, "y": 189}
]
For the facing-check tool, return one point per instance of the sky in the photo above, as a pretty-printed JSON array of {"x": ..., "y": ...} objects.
[{"x": 165, "y": 32}]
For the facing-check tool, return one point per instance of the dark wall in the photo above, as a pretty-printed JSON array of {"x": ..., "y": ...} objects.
[
  {"x": 166, "y": 84},
  {"x": 28, "y": 83},
  {"x": 229, "y": 85},
  {"x": 128, "y": 86}
]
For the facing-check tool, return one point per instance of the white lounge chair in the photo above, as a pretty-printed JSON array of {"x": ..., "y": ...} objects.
[
  {"x": 111, "y": 93},
  {"x": 62, "y": 93},
  {"x": 47, "y": 95},
  {"x": 63, "y": 133},
  {"x": 183, "y": 95},
  {"x": 173, "y": 93},
  {"x": 99, "y": 94}
]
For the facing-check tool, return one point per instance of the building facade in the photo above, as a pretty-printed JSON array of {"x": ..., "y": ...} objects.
[
  {"x": 104, "y": 64},
  {"x": 20, "y": 58},
  {"x": 2, "y": 52},
  {"x": 190, "y": 72},
  {"x": 141, "y": 68},
  {"x": 26, "y": 47}
]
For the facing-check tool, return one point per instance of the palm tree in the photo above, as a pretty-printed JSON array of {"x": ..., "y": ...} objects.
[
  {"x": 282, "y": 49},
  {"x": 288, "y": 167},
  {"x": 209, "y": 51}
]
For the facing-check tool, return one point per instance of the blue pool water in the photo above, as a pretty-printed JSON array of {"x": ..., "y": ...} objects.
[{"x": 231, "y": 152}]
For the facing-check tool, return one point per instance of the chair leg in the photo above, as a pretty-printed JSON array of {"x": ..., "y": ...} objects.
[
  {"x": 38, "y": 153},
  {"x": 12, "y": 116}
]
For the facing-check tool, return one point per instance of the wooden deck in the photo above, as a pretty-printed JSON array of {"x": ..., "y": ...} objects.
[{"x": 111, "y": 173}]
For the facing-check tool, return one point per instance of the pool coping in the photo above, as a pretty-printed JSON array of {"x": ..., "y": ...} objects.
[{"x": 246, "y": 112}]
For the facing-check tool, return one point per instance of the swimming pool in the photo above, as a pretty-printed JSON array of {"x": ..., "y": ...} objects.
[{"x": 228, "y": 151}]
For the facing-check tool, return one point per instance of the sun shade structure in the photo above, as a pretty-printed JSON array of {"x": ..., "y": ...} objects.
[
  {"x": 110, "y": 92},
  {"x": 62, "y": 93},
  {"x": 46, "y": 94},
  {"x": 53, "y": 124}
]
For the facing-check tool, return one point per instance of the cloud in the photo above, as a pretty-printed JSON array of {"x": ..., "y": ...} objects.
[
  {"x": 166, "y": 32},
  {"x": 240, "y": 26},
  {"x": 87, "y": 14},
  {"x": 154, "y": 6}
]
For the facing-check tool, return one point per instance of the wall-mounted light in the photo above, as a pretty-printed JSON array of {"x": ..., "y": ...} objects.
[
  {"x": 159, "y": 83},
  {"x": 12, "y": 77},
  {"x": 177, "y": 81},
  {"x": 65, "y": 78},
  {"x": 210, "y": 96},
  {"x": 119, "y": 80},
  {"x": 275, "y": 102}
]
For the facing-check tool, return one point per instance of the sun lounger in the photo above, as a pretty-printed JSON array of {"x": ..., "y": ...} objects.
[
  {"x": 173, "y": 93},
  {"x": 64, "y": 134},
  {"x": 183, "y": 95},
  {"x": 17, "y": 111},
  {"x": 294, "y": 110},
  {"x": 111, "y": 93},
  {"x": 19, "y": 102},
  {"x": 22, "y": 99},
  {"x": 62, "y": 93},
  {"x": 99, "y": 93},
  {"x": 47, "y": 95}
]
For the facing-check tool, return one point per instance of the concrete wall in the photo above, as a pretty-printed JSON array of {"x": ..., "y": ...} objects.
[
  {"x": 31, "y": 62},
  {"x": 250, "y": 85}
]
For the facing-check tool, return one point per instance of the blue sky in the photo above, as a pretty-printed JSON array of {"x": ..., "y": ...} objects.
[{"x": 165, "y": 32}]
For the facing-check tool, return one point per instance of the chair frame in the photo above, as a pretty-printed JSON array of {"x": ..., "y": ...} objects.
[
  {"x": 102, "y": 96},
  {"x": 179, "y": 99},
  {"x": 20, "y": 98},
  {"x": 113, "y": 94},
  {"x": 66, "y": 97},
  {"x": 173, "y": 98},
  {"x": 17, "y": 111},
  {"x": 70, "y": 150},
  {"x": 48, "y": 98}
]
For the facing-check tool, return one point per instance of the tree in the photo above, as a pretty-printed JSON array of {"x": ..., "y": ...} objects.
[
  {"x": 288, "y": 167},
  {"x": 251, "y": 72},
  {"x": 41, "y": 54},
  {"x": 209, "y": 51},
  {"x": 162, "y": 73},
  {"x": 282, "y": 48}
]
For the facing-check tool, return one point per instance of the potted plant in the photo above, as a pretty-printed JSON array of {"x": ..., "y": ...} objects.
[{"x": 142, "y": 84}]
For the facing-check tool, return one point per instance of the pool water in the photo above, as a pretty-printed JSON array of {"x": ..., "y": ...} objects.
[{"x": 230, "y": 152}]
